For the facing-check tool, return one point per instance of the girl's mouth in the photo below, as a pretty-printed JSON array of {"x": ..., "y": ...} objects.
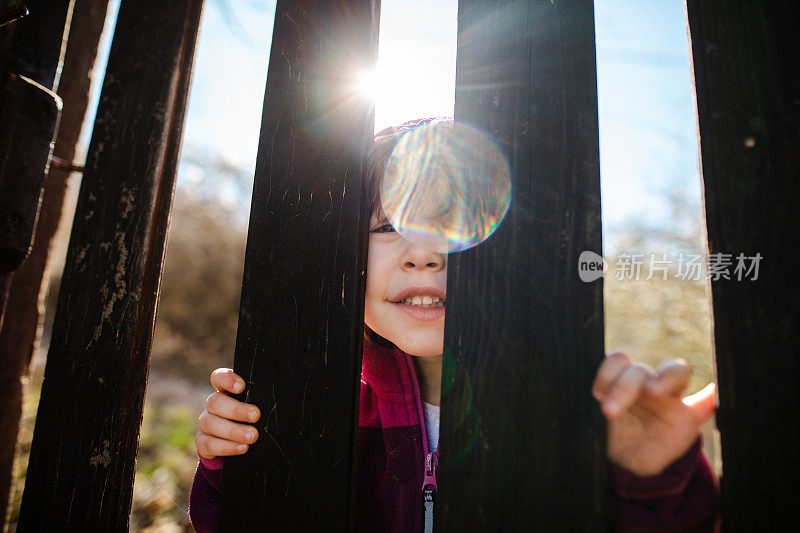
[
  {"x": 422, "y": 313},
  {"x": 421, "y": 302},
  {"x": 419, "y": 296}
]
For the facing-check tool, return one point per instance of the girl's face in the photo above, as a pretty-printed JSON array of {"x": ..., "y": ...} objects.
[{"x": 406, "y": 288}]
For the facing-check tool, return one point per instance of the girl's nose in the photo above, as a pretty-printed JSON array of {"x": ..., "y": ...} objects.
[{"x": 419, "y": 258}]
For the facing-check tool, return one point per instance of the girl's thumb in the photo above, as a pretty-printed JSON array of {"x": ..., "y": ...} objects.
[{"x": 702, "y": 402}]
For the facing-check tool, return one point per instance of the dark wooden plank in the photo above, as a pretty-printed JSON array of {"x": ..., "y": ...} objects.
[
  {"x": 80, "y": 474},
  {"x": 29, "y": 116},
  {"x": 35, "y": 48},
  {"x": 301, "y": 321},
  {"x": 30, "y": 50},
  {"x": 18, "y": 332},
  {"x": 523, "y": 441},
  {"x": 747, "y": 76}
]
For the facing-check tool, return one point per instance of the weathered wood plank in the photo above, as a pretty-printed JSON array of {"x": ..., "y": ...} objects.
[
  {"x": 80, "y": 475},
  {"x": 301, "y": 321},
  {"x": 523, "y": 441},
  {"x": 18, "y": 335},
  {"x": 29, "y": 116},
  {"x": 35, "y": 48},
  {"x": 30, "y": 50},
  {"x": 747, "y": 76}
]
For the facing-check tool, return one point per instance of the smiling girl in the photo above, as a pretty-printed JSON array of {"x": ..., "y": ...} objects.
[{"x": 659, "y": 478}]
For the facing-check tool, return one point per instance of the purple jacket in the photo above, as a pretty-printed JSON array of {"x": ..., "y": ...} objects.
[{"x": 394, "y": 468}]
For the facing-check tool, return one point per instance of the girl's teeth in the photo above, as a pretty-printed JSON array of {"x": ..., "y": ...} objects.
[{"x": 424, "y": 301}]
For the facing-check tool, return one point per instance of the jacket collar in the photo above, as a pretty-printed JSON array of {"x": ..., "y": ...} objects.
[{"x": 390, "y": 373}]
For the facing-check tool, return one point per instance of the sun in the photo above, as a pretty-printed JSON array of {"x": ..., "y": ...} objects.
[{"x": 367, "y": 84}]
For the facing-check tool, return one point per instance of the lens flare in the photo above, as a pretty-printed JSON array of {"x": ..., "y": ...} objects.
[
  {"x": 367, "y": 84},
  {"x": 446, "y": 187}
]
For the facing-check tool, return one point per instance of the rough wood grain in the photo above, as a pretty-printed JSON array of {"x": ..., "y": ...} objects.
[
  {"x": 30, "y": 49},
  {"x": 301, "y": 320},
  {"x": 523, "y": 441},
  {"x": 80, "y": 475},
  {"x": 747, "y": 75},
  {"x": 18, "y": 336}
]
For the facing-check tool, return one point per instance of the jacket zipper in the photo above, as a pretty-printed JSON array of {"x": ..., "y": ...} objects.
[{"x": 429, "y": 486}]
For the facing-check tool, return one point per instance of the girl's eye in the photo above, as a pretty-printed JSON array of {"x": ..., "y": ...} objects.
[{"x": 385, "y": 228}]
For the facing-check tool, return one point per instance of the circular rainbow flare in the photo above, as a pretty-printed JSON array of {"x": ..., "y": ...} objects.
[{"x": 447, "y": 187}]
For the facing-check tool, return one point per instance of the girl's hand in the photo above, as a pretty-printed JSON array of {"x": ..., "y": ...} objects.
[
  {"x": 649, "y": 425},
  {"x": 219, "y": 432}
]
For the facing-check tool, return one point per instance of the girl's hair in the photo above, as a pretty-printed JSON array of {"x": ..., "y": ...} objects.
[{"x": 384, "y": 144}]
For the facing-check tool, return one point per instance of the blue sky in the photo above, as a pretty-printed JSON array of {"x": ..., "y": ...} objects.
[{"x": 648, "y": 141}]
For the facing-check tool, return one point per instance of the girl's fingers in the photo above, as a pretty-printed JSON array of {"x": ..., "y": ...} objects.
[
  {"x": 217, "y": 432},
  {"x": 222, "y": 405},
  {"x": 211, "y": 447},
  {"x": 702, "y": 402},
  {"x": 610, "y": 369},
  {"x": 225, "y": 379},
  {"x": 216, "y": 426},
  {"x": 626, "y": 389},
  {"x": 672, "y": 377}
]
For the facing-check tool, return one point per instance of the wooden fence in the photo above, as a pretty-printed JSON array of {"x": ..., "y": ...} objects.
[{"x": 526, "y": 330}]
